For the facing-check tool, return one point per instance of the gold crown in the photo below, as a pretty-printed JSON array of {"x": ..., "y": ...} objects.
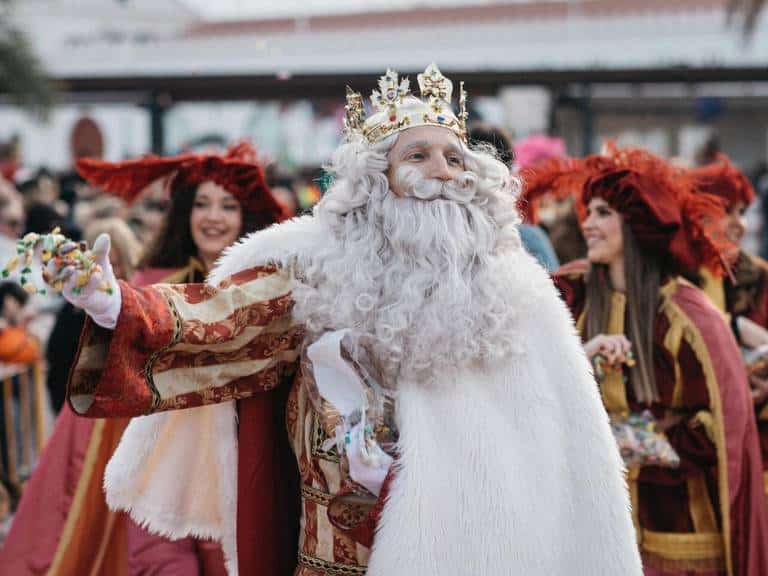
[{"x": 396, "y": 108}]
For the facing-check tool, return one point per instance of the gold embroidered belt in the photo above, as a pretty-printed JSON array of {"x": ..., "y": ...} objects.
[
  {"x": 331, "y": 568},
  {"x": 688, "y": 546}
]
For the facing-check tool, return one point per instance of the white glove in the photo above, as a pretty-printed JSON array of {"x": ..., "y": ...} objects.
[
  {"x": 368, "y": 463},
  {"x": 102, "y": 307}
]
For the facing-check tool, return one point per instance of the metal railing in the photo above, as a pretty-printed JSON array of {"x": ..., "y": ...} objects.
[{"x": 24, "y": 420}]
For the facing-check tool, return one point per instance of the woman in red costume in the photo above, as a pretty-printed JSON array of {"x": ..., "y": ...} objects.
[
  {"x": 63, "y": 525},
  {"x": 670, "y": 351},
  {"x": 744, "y": 295}
]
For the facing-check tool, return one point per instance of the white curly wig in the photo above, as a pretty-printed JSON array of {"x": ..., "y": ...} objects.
[{"x": 423, "y": 283}]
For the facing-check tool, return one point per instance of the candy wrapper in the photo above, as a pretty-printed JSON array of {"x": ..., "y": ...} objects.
[
  {"x": 68, "y": 255},
  {"x": 640, "y": 444},
  {"x": 358, "y": 413}
]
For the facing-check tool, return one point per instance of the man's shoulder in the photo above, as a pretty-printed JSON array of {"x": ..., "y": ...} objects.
[{"x": 274, "y": 246}]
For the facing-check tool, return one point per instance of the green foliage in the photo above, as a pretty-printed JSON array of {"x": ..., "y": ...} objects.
[{"x": 22, "y": 77}]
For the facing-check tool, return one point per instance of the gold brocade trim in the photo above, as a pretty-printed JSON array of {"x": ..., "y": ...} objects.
[
  {"x": 700, "y": 505},
  {"x": 60, "y": 557},
  {"x": 190, "y": 274},
  {"x": 149, "y": 366},
  {"x": 714, "y": 288},
  {"x": 331, "y": 568},
  {"x": 613, "y": 388},
  {"x": 672, "y": 340},
  {"x": 705, "y": 419},
  {"x": 692, "y": 335},
  {"x": 316, "y": 496},
  {"x": 319, "y": 438},
  {"x": 676, "y": 546}
]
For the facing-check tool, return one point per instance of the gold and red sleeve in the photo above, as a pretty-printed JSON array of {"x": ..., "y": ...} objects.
[{"x": 184, "y": 345}]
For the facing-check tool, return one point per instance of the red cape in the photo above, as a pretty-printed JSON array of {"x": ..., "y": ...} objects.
[{"x": 747, "y": 522}]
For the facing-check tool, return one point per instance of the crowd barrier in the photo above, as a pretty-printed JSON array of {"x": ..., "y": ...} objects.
[{"x": 24, "y": 420}]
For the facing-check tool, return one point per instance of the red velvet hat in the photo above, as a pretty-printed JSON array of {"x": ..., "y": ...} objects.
[
  {"x": 723, "y": 179},
  {"x": 661, "y": 208},
  {"x": 557, "y": 177},
  {"x": 238, "y": 171}
]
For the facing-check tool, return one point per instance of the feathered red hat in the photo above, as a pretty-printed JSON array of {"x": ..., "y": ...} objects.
[
  {"x": 238, "y": 171},
  {"x": 723, "y": 179},
  {"x": 556, "y": 177},
  {"x": 661, "y": 208}
]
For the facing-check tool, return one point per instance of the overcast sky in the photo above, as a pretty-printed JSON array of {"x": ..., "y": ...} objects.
[{"x": 264, "y": 8}]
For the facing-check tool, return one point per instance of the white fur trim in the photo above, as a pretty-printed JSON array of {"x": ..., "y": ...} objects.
[
  {"x": 275, "y": 245},
  {"x": 175, "y": 473},
  {"x": 511, "y": 470}
]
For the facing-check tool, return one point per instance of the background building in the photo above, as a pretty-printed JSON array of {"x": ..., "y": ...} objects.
[{"x": 163, "y": 75}]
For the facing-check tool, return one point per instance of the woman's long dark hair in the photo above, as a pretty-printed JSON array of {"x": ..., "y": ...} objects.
[
  {"x": 643, "y": 273},
  {"x": 174, "y": 245}
]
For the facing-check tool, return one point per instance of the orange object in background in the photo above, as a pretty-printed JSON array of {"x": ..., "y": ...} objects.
[{"x": 17, "y": 346}]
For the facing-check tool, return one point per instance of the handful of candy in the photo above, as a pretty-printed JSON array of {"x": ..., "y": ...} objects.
[
  {"x": 601, "y": 366},
  {"x": 69, "y": 257},
  {"x": 640, "y": 444}
]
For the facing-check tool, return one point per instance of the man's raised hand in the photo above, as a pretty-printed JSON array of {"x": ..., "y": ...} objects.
[{"x": 97, "y": 291}]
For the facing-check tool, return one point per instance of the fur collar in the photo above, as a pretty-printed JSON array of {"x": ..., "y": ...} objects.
[{"x": 274, "y": 245}]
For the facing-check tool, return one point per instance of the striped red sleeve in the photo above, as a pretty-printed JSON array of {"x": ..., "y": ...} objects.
[{"x": 184, "y": 345}]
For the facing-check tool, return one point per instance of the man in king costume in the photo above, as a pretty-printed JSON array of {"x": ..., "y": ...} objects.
[{"x": 440, "y": 409}]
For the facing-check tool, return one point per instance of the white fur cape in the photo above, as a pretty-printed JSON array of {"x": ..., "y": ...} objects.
[{"x": 505, "y": 470}]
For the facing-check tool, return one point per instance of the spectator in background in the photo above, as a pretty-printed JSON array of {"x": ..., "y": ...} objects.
[
  {"x": 11, "y": 211},
  {"x": 534, "y": 238},
  {"x": 665, "y": 349},
  {"x": 557, "y": 217},
  {"x": 43, "y": 190},
  {"x": 147, "y": 215},
  {"x": 62, "y": 345},
  {"x": 284, "y": 193},
  {"x": 92, "y": 205},
  {"x": 42, "y": 218}
]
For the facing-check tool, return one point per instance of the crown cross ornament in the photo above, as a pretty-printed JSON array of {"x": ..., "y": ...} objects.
[
  {"x": 395, "y": 108},
  {"x": 390, "y": 93},
  {"x": 354, "y": 116},
  {"x": 435, "y": 87}
]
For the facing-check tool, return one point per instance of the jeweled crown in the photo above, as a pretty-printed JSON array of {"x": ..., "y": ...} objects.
[{"x": 395, "y": 108}]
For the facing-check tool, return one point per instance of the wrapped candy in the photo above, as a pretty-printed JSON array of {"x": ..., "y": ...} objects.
[
  {"x": 601, "y": 366},
  {"x": 70, "y": 257},
  {"x": 640, "y": 444}
]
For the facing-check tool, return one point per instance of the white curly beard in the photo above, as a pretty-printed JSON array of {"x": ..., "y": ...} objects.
[{"x": 420, "y": 281}]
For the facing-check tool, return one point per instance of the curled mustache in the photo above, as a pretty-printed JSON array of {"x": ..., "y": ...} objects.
[{"x": 462, "y": 189}]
